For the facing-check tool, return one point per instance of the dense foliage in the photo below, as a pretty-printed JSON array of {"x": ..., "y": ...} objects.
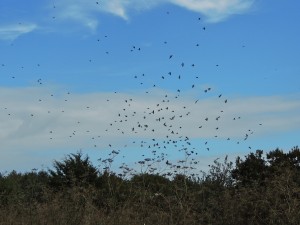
[{"x": 259, "y": 189}]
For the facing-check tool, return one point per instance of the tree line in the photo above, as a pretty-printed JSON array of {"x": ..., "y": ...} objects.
[{"x": 259, "y": 188}]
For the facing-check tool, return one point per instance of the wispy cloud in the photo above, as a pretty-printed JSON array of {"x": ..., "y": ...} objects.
[
  {"x": 13, "y": 31},
  {"x": 216, "y": 10},
  {"x": 78, "y": 11},
  {"x": 86, "y": 13},
  {"x": 39, "y": 120},
  {"x": 73, "y": 120}
]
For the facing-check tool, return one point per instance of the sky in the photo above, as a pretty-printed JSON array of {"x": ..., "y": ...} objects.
[{"x": 136, "y": 80}]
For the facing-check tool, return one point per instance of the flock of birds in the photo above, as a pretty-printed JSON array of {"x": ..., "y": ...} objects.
[{"x": 158, "y": 122}]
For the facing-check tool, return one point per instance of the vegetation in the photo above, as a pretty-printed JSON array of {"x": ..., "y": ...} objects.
[{"x": 259, "y": 189}]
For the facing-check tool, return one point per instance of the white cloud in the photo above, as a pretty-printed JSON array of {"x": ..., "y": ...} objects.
[
  {"x": 33, "y": 121},
  {"x": 78, "y": 11},
  {"x": 215, "y": 10},
  {"x": 78, "y": 120},
  {"x": 13, "y": 31},
  {"x": 84, "y": 12}
]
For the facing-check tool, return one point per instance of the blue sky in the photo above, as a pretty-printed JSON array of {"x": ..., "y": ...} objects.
[{"x": 81, "y": 75}]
